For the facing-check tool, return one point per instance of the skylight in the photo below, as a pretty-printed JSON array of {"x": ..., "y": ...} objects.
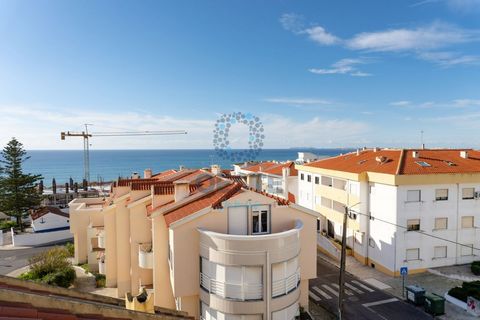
[{"x": 423, "y": 163}]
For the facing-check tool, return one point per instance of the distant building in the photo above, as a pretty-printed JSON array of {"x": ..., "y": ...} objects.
[
  {"x": 276, "y": 178},
  {"x": 200, "y": 242},
  {"x": 418, "y": 208},
  {"x": 50, "y": 218}
]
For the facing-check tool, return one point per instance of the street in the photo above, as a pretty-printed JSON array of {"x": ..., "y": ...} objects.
[
  {"x": 11, "y": 260},
  {"x": 362, "y": 301}
]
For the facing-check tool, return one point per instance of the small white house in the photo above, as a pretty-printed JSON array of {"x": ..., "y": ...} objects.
[{"x": 48, "y": 219}]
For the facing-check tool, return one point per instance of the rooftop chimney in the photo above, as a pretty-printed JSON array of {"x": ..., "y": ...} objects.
[
  {"x": 181, "y": 167},
  {"x": 182, "y": 190},
  {"x": 376, "y": 149},
  {"x": 147, "y": 173},
  {"x": 464, "y": 154},
  {"x": 358, "y": 152},
  {"x": 415, "y": 154},
  {"x": 216, "y": 169}
]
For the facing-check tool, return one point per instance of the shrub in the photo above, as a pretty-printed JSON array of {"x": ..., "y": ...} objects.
[
  {"x": 49, "y": 262},
  {"x": 70, "y": 248},
  {"x": 27, "y": 276},
  {"x": 100, "y": 280},
  {"x": 459, "y": 293},
  {"x": 62, "y": 278},
  {"x": 475, "y": 267},
  {"x": 85, "y": 267},
  {"x": 7, "y": 224}
]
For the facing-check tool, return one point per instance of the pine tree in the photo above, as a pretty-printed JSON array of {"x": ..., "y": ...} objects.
[{"x": 18, "y": 191}]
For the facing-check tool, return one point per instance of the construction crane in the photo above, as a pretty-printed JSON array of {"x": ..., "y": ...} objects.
[{"x": 86, "y": 135}]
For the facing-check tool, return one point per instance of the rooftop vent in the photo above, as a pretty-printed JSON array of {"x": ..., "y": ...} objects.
[
  {"x": 415, "y": 154},
  {"x": 464, "y": 154},
  {"x": 450, "y": 163},
  {"x": 381, "y": 159},
  {"x": 362, "y": 161}
]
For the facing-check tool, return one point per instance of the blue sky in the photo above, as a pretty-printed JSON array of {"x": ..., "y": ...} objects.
[{"x": 317, "y": 73}]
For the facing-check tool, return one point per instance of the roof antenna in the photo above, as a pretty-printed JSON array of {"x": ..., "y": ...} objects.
[{"x": 421, "y": 139}]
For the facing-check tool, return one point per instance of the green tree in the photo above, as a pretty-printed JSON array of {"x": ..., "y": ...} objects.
[{"x": 18, "y": 191}]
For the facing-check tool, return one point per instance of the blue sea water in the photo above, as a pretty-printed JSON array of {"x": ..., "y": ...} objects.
[{"x": 110, "y": 164}]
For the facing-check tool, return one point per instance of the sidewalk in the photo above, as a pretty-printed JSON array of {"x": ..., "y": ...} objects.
[{"x": 434, "y": 283}]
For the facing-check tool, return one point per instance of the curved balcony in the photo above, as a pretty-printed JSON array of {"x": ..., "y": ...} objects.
[
  {"x": 285, "y": 286},
  {"x": 281, "y": 246},
  {"x": 241, "y": 292},
  {"x": 145, "y": 255}
]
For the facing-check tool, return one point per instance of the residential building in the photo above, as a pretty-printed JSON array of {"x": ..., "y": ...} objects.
[
  {"x": 417, "y": 208},
  {"x": 202, "y": 242},
  {"x": 46, "y": 219},
  {"x": 276, "y": 178}
]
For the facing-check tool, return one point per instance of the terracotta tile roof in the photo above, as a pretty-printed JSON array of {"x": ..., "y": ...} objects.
[
  {"x": 234, "y": 178},
  {"x": 402, "y": 162},
  {"x": 210, "y": 200},
  {"x": 164, "y": 173},
  {"x": 278, "y": 169},
  {"x": 129, "y": 182},
  {"x": 291, "y": 197},
  {"x": 48, "y": 209},
  {"x": 260, "y": 167}
]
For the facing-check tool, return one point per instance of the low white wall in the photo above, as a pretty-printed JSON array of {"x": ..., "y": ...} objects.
[{"x": 35, "y": 239}]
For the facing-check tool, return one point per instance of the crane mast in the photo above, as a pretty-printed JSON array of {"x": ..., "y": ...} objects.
[{"x": 86, "y": 135}]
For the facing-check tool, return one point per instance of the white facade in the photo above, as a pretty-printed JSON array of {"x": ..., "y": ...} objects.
[
  {"x": 431, "y": 211},
  {"x": 50, "y": 222}
]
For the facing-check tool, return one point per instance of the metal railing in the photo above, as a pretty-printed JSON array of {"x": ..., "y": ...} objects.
[
  {"x": 242, "y": 292},
  {"x": 286, "y": 285}
]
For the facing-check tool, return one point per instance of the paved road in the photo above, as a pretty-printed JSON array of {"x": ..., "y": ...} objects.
[
  {"x": 11, "y": 260},
  {"x": 362, "y": 300}
]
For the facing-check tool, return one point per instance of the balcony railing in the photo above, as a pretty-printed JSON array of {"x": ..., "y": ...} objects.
[
  {"x": 242, "y": 292},
  {"x": 287, "y": 285},
  {"x": 145, "y": 256}
]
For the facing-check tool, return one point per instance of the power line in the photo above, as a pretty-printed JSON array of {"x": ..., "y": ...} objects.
[{"x": 417, "y": 231}]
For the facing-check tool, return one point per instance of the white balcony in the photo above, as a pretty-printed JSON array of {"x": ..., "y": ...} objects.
[
  {"x": 145, "y": 256},
  {"x": 242, "y": 292},
  {"x": 285, "y": 286}
]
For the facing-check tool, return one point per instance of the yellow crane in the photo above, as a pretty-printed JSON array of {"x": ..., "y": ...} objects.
[{"x": 86, "y": 135}]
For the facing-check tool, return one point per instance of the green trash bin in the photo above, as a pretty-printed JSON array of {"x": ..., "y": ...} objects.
[
  {"x": 415, "y": 294},
  {"x": 434, "y": 304}
]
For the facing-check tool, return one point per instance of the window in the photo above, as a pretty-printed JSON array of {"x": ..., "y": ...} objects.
[
  {"x": 260, "y": 221},
  {"x": 413, "y": 196},
  {"x": 413, "y": 254},
  {"x": 441, "y": 194},
  {"x": 371, "y": 243},
  {"x": 467, "y": 250},
  {"x": 327, "y": 181},
  {"x": 302, "y": 177},
  {"x": 468, "y": 193},
  {"x": 423, "y": 164},
  {"x": 317, "y": 180},
  {"x": 440, "y": 252},
  {"x": 326, "y": 202},
  {"x": 285, "y": 277},
  {"x": 467, "y": 222},
  {"x": 413, "y": 224},
  {"x": 441, "y": 223},
  {"x": 309, "y": 178}
]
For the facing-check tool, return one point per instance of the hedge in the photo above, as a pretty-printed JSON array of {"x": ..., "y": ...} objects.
[{"x": 475, "y": 267}]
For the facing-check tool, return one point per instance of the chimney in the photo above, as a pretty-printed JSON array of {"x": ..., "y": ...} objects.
[
  {"x": 147, "y": 173},
  {"x": 464, "y": 154},
  {"x": 376, "y": 149},
  {"x": 415, "y": 154},
  {"x": 181, "y": 167},
  {"x": 135, "y": 175},
  {"x": 285, "y": 175},
  {"x": 358, "y": 152},
  {"x": 216, "y": 169},
  {"x": 182, "y": 190}
]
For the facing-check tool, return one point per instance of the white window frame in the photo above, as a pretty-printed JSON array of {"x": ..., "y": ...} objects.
[
  {"x": 468, "y": 197},
  {"x": 261, "y": 211},
  {"x": 412, "y": 249},
  {"x": 436, "y": 225},
  {"x": 470, "y": 225},
  {"x": 413, "y": 222},
  {"x": 440, "y": 194},
  {"x": 410, "y": 192},
  {"x": 443, "y": 256}
]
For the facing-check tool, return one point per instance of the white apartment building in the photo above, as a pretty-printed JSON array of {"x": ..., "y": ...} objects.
[{"x": 413, "y": 208}]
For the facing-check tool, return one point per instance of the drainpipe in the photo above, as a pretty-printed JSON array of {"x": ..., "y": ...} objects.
[
  {"x": 269, "y": 284},
  {"x": 456, "y": 230}
]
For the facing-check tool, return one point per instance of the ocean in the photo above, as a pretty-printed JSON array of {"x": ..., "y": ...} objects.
[{"x": 110, "y": 164}]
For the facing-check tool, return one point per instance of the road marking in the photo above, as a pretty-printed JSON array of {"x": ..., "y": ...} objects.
[
  {"x": 348, "y": 292},
  {"x": 353, "y": 288},
  {"x": 313, "y": 296},
  {"x": 376, "y": 303},
  {"x": 322, "y": 293},
  {"x": 361, "y": 285},
  {"x": 330, "y": 289}
]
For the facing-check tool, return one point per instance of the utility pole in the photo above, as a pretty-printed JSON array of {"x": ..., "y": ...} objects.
[{"x": 341, "y": 283}]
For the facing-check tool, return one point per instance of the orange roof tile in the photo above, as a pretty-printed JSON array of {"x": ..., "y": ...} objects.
[{"x": 402, "y": 162}]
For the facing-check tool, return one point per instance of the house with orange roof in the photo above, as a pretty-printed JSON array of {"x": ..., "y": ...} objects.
[
  {"x": 414, "y": 208},
  {"x": 277, "y": 178},
  {"x": 200, "y": 241}
]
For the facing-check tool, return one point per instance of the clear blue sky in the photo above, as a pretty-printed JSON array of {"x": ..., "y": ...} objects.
[{"x": 317, "y": 73}]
